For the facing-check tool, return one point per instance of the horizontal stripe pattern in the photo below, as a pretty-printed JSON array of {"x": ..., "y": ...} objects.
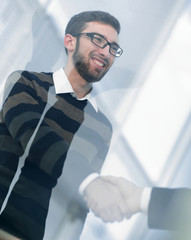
[{"x": 70, "y": 128}]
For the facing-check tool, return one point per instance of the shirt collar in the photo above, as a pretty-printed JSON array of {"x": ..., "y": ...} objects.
[{"x": 62, "y": 85}]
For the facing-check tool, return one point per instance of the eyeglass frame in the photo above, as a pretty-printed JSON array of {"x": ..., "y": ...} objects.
[{"x": 91, "y": 35}]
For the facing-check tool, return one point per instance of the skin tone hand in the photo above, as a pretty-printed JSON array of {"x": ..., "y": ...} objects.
[
  {"x": 130, "y": 192},
  {"x": 105, "y": 200}
]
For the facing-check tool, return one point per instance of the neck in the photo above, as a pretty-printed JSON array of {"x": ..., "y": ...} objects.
[{"x": 80, "y": 86}]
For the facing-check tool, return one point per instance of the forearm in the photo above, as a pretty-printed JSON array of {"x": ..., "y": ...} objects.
[{"x": 10, "y": 151}]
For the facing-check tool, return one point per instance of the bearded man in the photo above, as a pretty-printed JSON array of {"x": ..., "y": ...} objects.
[{"x": 71, "y": 141}]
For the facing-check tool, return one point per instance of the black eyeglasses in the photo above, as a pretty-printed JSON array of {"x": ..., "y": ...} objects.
[{"x": 101, "y": 42}]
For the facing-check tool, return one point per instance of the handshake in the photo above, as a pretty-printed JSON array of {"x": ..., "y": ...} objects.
[{"x": 113, "y": 198}]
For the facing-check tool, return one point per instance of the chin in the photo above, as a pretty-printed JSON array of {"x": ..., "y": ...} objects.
[
  {"x": 90, "y": 77},
  {"x": 92, "y": 80}
]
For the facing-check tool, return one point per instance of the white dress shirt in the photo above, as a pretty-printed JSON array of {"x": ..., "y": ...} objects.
[
  {"x": 62, "y": 85},
  {"x": 145, "y": 199}
]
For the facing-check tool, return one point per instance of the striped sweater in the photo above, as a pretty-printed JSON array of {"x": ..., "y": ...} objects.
[{"x": 72, "y": 136}]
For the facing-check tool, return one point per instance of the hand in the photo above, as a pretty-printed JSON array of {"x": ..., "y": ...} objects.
[
  {"x": 130, "y": 192},
  {"x": 105, "y": 200}
]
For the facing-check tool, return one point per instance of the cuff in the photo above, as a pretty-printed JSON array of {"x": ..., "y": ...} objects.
[
  {"x": 145, "y": 199},
  {"x": 86, "y": 181}
]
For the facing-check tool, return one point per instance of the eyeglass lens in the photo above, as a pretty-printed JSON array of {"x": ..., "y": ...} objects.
[{"x": 101, "y": 42}]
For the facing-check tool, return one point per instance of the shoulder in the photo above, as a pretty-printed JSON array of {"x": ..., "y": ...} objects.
[
  {"x": 42, "y": 78},
  {"x": 30, "y": 76},
  {"x": 32, "y": 82}
]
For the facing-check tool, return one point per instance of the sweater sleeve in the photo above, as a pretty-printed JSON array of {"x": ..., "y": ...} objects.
[
  {"x": 87, "y": 152},
  {"x": 10, "y": 149},
  {"x": 22, "y": 111},
  {"x": 27, "y": 206}
]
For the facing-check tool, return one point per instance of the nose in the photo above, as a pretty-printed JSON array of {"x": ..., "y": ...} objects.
[{"x": 105, "y": 51}]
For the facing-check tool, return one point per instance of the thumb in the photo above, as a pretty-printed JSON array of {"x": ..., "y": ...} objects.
[
  {"x": 120, "y": 182},
  {"x": 111, "y": 179}
]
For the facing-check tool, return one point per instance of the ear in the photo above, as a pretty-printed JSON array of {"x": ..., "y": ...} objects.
[{"x": 69, "y": 42}]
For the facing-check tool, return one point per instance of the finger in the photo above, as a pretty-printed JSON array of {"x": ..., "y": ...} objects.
[
  {"x": 124, "y": 208},
  {"x": 110, "y": 179},
  {"x": 111, "y": 215},
  {"x": 108, "y": 212},
  {"x": 116, "y": 215},
  {"x": 91, "y": 203},
  {"x": 104, "y": 214}
]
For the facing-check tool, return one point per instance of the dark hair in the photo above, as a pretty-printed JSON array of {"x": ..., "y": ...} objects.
[{"x": 78, "y": 22}]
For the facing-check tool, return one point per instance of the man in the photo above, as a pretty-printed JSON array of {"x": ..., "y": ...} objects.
[
  {"x": 167, "y": 208},
  {"x": 72, "y": 138}
]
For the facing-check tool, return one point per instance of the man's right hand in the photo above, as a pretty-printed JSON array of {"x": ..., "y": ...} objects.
[
  {"x": 104, "y": 198},
  {"x": 113, "y": 198}
]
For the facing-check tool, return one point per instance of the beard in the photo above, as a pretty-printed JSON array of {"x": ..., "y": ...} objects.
[{"x": 83, "y": 67}]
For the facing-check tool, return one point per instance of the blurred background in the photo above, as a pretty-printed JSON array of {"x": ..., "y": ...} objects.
[{"x": 146, "y": 95}]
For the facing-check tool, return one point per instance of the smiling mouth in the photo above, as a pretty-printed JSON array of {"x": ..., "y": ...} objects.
[{"x": 99, "y": 63}]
